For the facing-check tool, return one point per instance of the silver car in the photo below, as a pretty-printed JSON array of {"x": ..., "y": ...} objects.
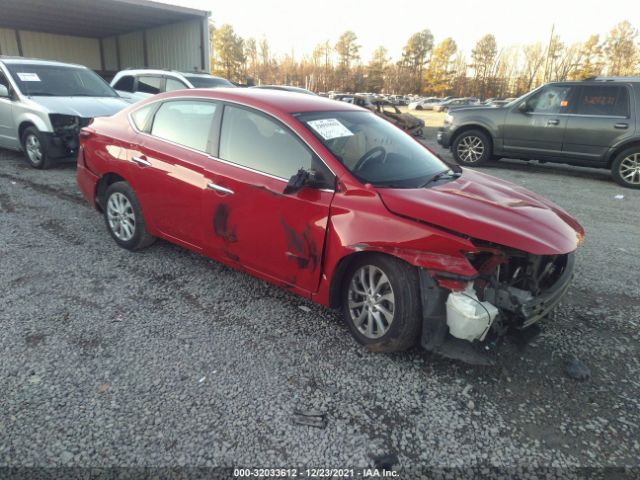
[{"x": 44, "y": 104}]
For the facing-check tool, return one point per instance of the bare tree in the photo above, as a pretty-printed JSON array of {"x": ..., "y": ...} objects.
[{"x": 620, "y": 49}]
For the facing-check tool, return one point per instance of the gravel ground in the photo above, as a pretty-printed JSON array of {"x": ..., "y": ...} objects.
[{"x": 164, "y": 358}]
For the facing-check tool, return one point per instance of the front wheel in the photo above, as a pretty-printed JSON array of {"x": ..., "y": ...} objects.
[
  {"x": 381, "y": 303},
  {"x": 34, "y": 149},
  {"x": 625, "y": 169},
  {"x": 123, "y": 216},
  {"x": 471, "y": 148}
]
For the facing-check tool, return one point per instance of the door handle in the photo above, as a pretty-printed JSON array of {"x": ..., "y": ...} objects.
[
  {"x": 621, "y": 126},
  {"x": 143, "y": 162},
  {"x": 553, "y": 121},
  {"x": 220, "y": 189}
]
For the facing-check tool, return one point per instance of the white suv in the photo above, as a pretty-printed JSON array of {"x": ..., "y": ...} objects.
[{"x": 135, "y": 85}]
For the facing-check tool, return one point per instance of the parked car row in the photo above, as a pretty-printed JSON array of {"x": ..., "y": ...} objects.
[{"x": 384, "y": 109}]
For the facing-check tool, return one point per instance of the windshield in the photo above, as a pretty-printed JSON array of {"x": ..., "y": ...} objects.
[
  {"x": 208, "y": 82},
  {"x": 59, "y": 81},
  {"x": 374, "y": 150}
]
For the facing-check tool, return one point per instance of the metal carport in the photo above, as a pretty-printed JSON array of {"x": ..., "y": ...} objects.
[{"x": 106, "y": 35}]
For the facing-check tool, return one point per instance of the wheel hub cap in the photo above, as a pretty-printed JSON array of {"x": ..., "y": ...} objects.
[
  {"x": 34, "y": 152},
  {"x": 630, "y": 169},
  {"x": 122, "y": 220},
  {"x": 371, "y": 302},
  {"x": 470, "y": 149}
]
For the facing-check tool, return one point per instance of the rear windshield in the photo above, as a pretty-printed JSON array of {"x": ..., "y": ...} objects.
[
  {"x": 208, "y": 82},
  {"x": 372, "y": 149},
  {"x": 58, "y": 81}
]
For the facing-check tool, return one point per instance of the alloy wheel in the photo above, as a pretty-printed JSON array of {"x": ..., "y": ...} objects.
[
  {"x": 470, "y": 149},
  {"x": 122, "y": 220},
  {"x": 371, "y": 301},
  {"x": 630, "y": 169},
  {"x": 34, "y": 149}
]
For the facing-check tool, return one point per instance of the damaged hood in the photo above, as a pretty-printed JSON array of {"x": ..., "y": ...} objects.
[
  {"x": 84, "y": 107},
  {"x": 486, "y": 208}
]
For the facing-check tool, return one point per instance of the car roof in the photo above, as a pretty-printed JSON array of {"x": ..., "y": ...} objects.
[
  {"x": 264, "y": 98},
  {"x": 8, "y": 60}
]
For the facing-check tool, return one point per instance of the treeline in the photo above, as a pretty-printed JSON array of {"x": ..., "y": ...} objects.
[{"x": 427, "y": 67}]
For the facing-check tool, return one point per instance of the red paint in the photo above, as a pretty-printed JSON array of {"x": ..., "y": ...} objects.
[{"x": 298, "y": 241}]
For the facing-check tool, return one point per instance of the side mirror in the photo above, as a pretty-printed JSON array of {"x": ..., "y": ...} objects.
[
  {"x": 4, "y": 92},
  {"x": 524, "y": 107},
  {"x": 301, "y": 179}
]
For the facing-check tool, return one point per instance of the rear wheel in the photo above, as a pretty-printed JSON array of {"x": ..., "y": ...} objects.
[
  {"x": 472, "y": 148},
  {"x": 123, "y": 216},
  {"x": 381, "y": 303},
  {"x": 35, "y": 148},
  {"x": 625, "y": 169}
]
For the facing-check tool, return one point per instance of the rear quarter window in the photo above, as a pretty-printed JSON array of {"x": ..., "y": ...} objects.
[{"x": 606, "y": 100}]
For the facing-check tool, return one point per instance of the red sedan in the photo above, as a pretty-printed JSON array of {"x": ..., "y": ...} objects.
[{"x": 335, "y": 204}]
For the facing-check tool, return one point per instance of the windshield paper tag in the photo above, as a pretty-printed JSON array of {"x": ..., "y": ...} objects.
[
  {"x": 330, "y": 128},
  {"x": 28, "y": 77}
]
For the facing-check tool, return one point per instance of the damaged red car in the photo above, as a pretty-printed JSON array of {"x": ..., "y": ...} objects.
[{"x": 335, "y": 204}]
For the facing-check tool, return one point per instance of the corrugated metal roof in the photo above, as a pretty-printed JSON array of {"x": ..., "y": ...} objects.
[{"x": 91, "y": 18}]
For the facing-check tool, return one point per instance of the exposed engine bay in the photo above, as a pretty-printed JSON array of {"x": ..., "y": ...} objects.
[{"x": 512, "y": 291}]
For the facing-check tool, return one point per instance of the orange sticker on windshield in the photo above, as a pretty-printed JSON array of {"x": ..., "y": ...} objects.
[{"x": 564, "y": 103}]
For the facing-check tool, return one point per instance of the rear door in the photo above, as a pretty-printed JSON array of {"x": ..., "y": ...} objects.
[
  {"x": 602, "y": 118},
  {"x": 171, "y": 167},
  {"x": 539, "y": 131},
  {"x": 253, "y": 223}
]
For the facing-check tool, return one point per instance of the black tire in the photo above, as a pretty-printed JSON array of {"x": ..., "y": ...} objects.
[
  {"x": 403, "y": 330},
  {"x": 418, "y": 107},
  {"x": 479, "y": 155},
  {"x": 625, "y": 168},
  {"x": 35, "y": 148},
  {"x": 130, "y": 214}
]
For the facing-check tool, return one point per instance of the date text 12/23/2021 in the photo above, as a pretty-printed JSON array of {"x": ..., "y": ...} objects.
[{"x": 314, "y": 473}]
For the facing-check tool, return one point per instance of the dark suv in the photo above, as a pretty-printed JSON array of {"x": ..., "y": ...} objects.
[{"x": 590, "y": 123}]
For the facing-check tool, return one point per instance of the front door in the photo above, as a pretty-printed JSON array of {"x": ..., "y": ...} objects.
[
  {"x": 7, "y": 127},
  {"x": 252, "y": 222},
  {"x": 602, "y": 118},
  {"x": 538, "y": 129}
]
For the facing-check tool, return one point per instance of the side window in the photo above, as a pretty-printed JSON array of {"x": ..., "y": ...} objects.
[
  {"x": 149, "y": 84},
  {"x": 255, "y": 141},
  {"x": 125, "y": 84},
  {"x": 603, "y": 100},
  {"x": 551, "y": 99},
  {"x": 186, "y": 122},
  {"x": 173, "y": 84},
  {"x": 141, "y": 117}
]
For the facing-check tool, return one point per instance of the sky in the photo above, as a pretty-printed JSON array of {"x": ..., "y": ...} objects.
[{"x": 298, "y": 25}]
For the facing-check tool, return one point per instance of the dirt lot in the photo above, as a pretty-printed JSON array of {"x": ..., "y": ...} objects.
[{"x": 165, "y": 358}]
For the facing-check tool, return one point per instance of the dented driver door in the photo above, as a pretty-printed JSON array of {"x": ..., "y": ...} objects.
[{"x": 253, "y": 224}]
